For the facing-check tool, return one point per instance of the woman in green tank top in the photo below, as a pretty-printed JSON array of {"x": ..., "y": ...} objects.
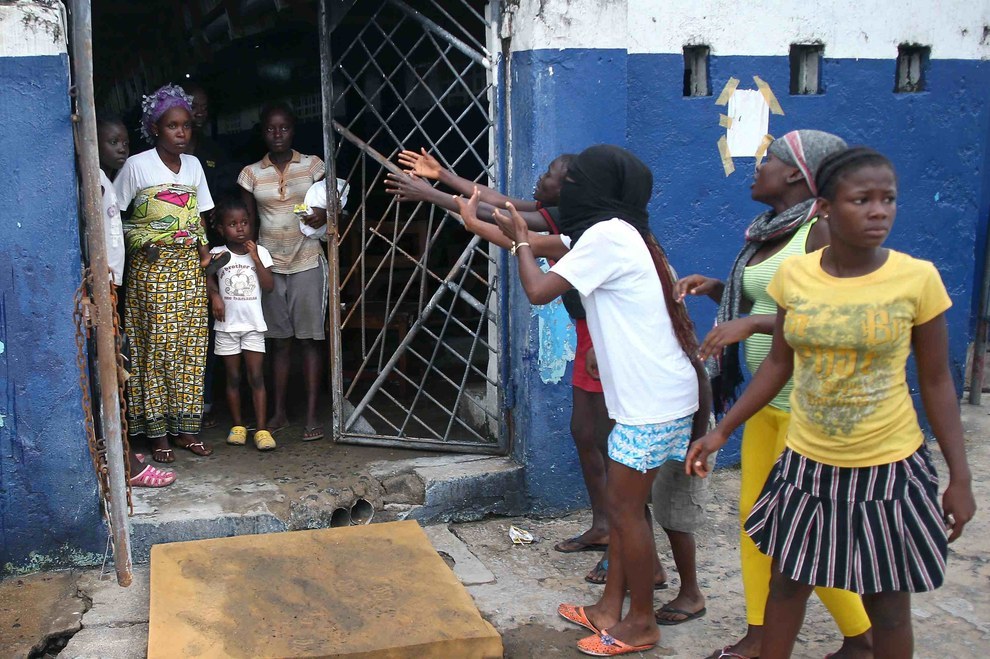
[{"x": 785, "y": 182}]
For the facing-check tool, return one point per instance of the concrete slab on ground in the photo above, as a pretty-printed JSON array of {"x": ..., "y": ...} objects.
[
  {"x": 116, "y": 625},
  {"x": 36, "y": 609},
  {"x": 377, "y": 590}
]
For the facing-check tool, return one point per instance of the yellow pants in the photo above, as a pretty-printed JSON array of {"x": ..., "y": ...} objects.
[{"x": 762, "y": 443}]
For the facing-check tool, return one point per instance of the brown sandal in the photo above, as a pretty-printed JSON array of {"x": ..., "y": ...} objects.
[
  {"x": 197, "y": 448},
  {"x": 163, "y": 455}
]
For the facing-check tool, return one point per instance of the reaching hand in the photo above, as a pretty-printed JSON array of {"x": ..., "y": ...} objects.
[
  {"x": 513, "y": 227},
  {"x": 696, "y": 462},
  {"x": 725, "y": 334},
  {"x": 407, "y": 187},
  {"x": 694, "y": 285},
  {"x": 421, "y": 164},
  {"x": 468, "y": 210}
]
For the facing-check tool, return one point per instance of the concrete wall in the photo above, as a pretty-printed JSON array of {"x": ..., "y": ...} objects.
[
  {"x": 588, "y": 71},
  {"x": 49, "y": 510}
]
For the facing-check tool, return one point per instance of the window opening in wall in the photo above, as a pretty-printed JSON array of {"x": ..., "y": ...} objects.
[
  {"x": 696, "y": 71},
  {"x": 912, "y": 67},
  {"x": 806, "y": 60}
]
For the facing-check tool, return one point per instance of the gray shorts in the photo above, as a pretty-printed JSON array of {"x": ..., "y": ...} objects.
[
  {"x": 297, "y": 305},
  {"x": 679, "y": 500}
]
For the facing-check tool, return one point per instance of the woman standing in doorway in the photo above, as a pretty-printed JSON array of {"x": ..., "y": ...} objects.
[
  {"x": 165, "y": 308},
  {"x": 297, "y": 306}
]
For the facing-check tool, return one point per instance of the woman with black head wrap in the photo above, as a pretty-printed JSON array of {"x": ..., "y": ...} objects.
[{"x": 645, "y": 347}]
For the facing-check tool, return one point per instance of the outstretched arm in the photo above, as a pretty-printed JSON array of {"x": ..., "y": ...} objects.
[
  {"x": 938, "y": 394},
  {"x": 551, "y": 247},
  {"x": 541, "y": 287},
  {"x": 425, "y": 165},
  {"x": 770, "y": 378},
  {"x": 412, "y": 188}
]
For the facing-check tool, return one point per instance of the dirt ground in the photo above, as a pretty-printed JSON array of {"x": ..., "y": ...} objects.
[
  {"x": 530, "y": 581},
  {"x": 518, "y": 588}
]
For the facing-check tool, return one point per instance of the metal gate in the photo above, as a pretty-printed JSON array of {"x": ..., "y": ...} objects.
[{"x": 415, "y": 331}]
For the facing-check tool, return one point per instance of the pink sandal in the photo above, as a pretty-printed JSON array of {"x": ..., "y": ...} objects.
[{"x": 152, "y": 477}]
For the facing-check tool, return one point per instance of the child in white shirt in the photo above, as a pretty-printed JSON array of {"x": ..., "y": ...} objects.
[{"x": 240, "y": 324}]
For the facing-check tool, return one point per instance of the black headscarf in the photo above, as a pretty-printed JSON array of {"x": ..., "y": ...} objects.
[{"x": 604, "y": 181}]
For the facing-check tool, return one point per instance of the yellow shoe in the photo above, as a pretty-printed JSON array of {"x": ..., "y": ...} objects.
[
  {"x": 264, "y": 441},
  {"x": 237, "y": 436}
]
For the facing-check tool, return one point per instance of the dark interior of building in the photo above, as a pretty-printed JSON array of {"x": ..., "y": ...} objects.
[{"x": 405, "y": 75}]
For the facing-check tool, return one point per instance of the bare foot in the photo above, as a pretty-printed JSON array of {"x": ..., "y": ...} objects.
[
  {"x": 634, "y": 632},
  {"x": 590, "y": 540},
  {"x": 854, "y": 647},
  {"x": 747, "y": 646},
  {"x": 600, "y": 617},
  {"x": 278, "y": 422}
]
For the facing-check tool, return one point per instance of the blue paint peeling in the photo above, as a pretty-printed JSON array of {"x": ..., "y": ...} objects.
[
  {"x": 557, "y": 338},
  {"x": 557, "y": 341},
  {"x": 939, "y": 140}
]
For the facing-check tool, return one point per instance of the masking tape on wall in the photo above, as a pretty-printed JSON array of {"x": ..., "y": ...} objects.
[
  {"x": 762, "y": 150},
  {"x": 768, "y": 95},
  {"x": 723, "y": 150},
  {"x": 725, "y": 121},
  {"x": 730, "y": 87}
]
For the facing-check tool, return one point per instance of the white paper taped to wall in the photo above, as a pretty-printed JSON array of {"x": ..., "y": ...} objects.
[{"x": 750, "y": 121}]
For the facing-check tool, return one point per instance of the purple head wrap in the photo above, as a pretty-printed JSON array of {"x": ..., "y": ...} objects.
[{"x": 161, "y": 101}]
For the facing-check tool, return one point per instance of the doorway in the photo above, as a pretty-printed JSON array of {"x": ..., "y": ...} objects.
[{"x": 415, "y": 338}]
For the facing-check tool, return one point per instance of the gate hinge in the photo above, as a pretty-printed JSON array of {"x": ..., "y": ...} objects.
[{"x": 90, "y": 313}]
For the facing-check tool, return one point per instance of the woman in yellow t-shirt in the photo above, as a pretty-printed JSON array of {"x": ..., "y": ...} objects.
[
  {"x": 785, "y": 183},
  {"x": 852, "y": 502}
]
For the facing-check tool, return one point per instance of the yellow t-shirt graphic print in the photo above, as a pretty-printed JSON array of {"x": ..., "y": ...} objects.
[{"x": 851, "y": 406}]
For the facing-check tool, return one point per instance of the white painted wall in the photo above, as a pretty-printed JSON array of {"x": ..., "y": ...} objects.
[
  {"x": 31, "y": 28},
  {"x": 868, "y": 29}
]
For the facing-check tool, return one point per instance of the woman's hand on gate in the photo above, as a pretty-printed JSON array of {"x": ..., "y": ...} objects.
[{"x": 421, "y": 164}]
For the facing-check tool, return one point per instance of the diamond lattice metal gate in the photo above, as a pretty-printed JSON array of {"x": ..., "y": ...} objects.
[{"x": 415, "y": 351}]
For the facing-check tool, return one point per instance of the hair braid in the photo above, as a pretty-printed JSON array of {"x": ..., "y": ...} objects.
[
  {"x": 679, "y": 318},
  {"x": 841, "y": 163}
]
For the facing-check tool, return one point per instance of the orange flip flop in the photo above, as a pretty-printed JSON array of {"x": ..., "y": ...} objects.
[
  {"x": 604, "y": 645},
  {"x": 576, "y": 614}
]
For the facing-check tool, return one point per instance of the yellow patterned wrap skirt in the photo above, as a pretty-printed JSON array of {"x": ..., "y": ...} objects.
[{"x": 166, "y": 320}]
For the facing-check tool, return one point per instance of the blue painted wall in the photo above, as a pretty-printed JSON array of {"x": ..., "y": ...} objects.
[
  {"x": 939, "y": 140},
  {"x": 49, "y": 509}
]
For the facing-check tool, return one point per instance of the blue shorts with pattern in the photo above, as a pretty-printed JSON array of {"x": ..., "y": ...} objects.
[{"x": 648, "y": 446}]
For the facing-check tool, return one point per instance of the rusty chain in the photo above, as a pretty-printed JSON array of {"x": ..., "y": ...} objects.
[{"x": 84, "y": 315}]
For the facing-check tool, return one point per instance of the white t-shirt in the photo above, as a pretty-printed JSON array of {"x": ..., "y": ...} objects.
[
  {"x": 645, "y": 374},
  {"x": 114, "y": 232},
  {"x": 241, "y": 292},
  {"x": 147, "y": 169}
]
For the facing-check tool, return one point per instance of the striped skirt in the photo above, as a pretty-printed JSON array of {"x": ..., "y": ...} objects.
[{"x": 869, "y": 529}]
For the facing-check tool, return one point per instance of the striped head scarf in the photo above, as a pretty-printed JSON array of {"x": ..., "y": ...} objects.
[{"x": 804, "y": 149}]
